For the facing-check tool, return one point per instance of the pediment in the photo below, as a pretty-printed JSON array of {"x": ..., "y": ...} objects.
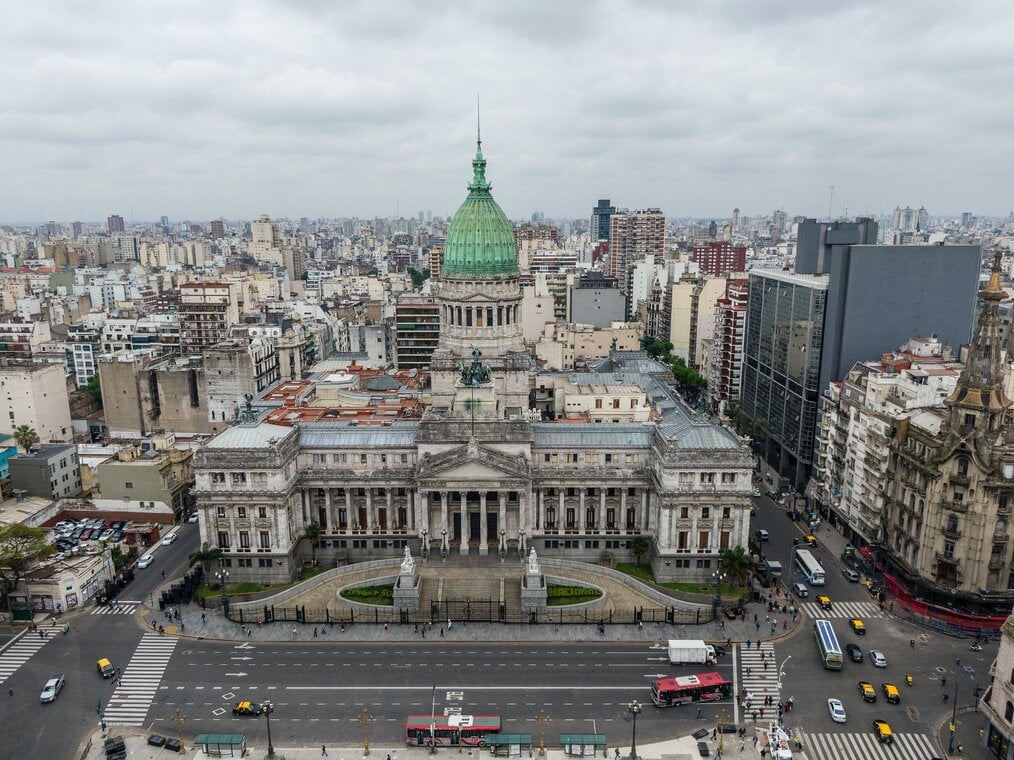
[{"x": 472, "y": 462}]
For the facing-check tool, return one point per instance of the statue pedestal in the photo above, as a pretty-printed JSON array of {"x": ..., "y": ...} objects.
[
  {"x": 406, "y": 592},
  {"x": 533, "y": 592}
]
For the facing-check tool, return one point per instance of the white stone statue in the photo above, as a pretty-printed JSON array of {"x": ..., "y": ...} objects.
[
  {"x": 407, "y": 564},
  {"x": 533, "y": 563}
]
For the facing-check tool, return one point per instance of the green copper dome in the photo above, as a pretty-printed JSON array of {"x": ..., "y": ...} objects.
[{"x": 480, "y": 238}]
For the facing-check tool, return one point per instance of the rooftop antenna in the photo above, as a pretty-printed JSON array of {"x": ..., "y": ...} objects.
[{"x": 829, "y": 201}]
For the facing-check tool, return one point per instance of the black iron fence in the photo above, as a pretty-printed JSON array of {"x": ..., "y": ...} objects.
[{"x": 465, "y": 611}]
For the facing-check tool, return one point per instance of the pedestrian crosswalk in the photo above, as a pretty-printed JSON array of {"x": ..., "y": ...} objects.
[
  {"x": 17, "y": 654},
  {"x": 842, "y": 610},
  {"x": 120, "y": 608},
  {"x": 137, "y": 686},
  {"x": 758, "y": 681},
  {"x": 865, "y": 745}
]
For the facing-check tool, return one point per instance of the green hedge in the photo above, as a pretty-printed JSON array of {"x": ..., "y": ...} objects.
[
  {"x": 379, "y": 595},
  {"x": 557, "y": 596}
]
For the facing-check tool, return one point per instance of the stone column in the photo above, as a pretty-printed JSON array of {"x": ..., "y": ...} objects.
[
  {"x": 540, "y": 509},
  {"x": 391, "y": 522},
  {"x": 501, "y": 505},
  {"x": 602, "y": 511},
  {"x": 581, "y": 522},
  {"x": 371, "y": 518},
  {"x": 443, "y": 514},
  {"x": 464, "y": 523},
  {"x": 422, "y": 520},
  {"x": 483, "y": 537},
  {"x": 644, "y": 516},
  {"x": 327, "y": 512}
]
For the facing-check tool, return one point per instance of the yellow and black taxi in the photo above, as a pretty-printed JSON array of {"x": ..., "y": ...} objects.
[
  {"x": 105, "y": 667},
  {"x": 824, "y": 601},
  {"x": 883, "y": 731},
  {"x": 857, "y": 626},
  {"x": 811, "y": 540},
  {"x": 891, "y": 693},
  {"x": 868, "y": 692},
  {"x": 247, "y": 708}
]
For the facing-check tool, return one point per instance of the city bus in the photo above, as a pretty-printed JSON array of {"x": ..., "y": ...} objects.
[
  {"x": 827, "y": 645},
  {"x": 681, "y": 690},
  {"x": 428, "y": 730},
  {"x": 810, "y": 567}
]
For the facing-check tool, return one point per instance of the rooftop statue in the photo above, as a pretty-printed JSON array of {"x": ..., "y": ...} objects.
[{"x": 533, "y": 562}]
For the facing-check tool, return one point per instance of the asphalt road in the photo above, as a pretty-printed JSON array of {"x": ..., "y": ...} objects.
[{"x": 321, "y": 689}]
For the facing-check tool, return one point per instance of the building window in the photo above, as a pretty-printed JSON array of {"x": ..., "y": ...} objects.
[
  {"x": 244, "y": 539},
  {"x": 319, "y": 458},
  {"x": 128, "y": 485},
  {"x": 221, "y": 512},
  {"x": 705, "y": 513},
  {"x": 703, "y": 540},
  {"x": 707, "y": 477},
  {"x": 685, "y": 512},
  {"x": 240, "y": 511},
  {"x": 218, "y": 478},
  {"x": 726, "y": 513},
  {"x": 239, "y": 478},
  {"x": 723, "y": 540},
  {"x": 1008, "y": 713},
  {"x": 609, "y": 458},
  {"x": 223, "y": 540},
  {"x": 265, "y": 539},
  {"x": 262, "y": 512},
  {"x": 949, "y": 549}
]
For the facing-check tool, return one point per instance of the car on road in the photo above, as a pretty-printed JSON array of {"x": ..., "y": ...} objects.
[
  {"x": 891, "y": 693},
  {"x": 877, "y": 658},
  {"x": 858, "y": 627},
  {"x": 883, "y": 731},
  {"x": 247, "y": 708},
  {"x": 146, "y": 560},
  {"x": 837, "y": 710},
  {"x": 824, "y": 601},
  {"x": 52, "y": 688},
  {"x": 810, "y": 540},
  {"x": 169, "y": 539},
  {"x": 756, "y": 492},
  {"x": 800, "y": 590},
  {"x": 762, "y": 534},
  {"x": 867, "y": 691},
  {"x": 771, "y": 494},
  {"x": 850, "y": 575},
  {"x": 854, "y": 652},
  {"x": 195, "y": 516}
]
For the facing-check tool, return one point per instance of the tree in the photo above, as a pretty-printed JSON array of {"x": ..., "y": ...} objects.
[
  {"x": 20, "y": 545},
  {"x": 639, "y": 546},
  {"x": 207, "y": 553},
  {"x": 657, "y": 349},
  {"x": 418, "y": 276},
  {"x": 312, "y": 533},
  {"x": 25, "y": 436},
  {"x": 737, "y": 564},
  {"x": 690, "y": 384},
  {"x": 94, "y": 387}
]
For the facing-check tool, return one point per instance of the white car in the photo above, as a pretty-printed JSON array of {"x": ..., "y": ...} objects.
[
  {"x": 51, "y": 689},
  {"x": 877, "y": 658},
  {"x": 837, "y": 710},
  {"x": 146, "y": 560},
  {"x": 193, "y": 517},
  {"x": 169, "y": 539}
]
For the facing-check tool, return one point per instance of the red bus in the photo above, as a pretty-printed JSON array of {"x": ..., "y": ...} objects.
[
  {"x": 681, "y": 690},
  {"x": 427, "y": 730}
]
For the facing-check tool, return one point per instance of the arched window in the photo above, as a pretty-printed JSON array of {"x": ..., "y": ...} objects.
[
  {"x": 962, "y": 466},
  {"x": 1009, "y": 712}
]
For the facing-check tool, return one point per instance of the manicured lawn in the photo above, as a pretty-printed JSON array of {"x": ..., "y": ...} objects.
[
  {"x": 559, "y": 596},
  {"x": 379, "y": 595},
  {"x": 643, "y": 573}
]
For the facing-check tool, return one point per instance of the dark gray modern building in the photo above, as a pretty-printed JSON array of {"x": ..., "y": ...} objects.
[
  {"x": 596, "y": 299},
  {"x": 49, "y": 471},
  {"x": 600, "y": 219},
  {"x": 873, "y": 299}
]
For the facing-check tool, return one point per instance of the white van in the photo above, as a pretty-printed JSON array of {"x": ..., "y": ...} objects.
[
  {"x": 762, "y": 534},
  {"x": 800, "y": 590}
]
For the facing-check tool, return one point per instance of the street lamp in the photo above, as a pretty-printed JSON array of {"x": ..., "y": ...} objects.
[
  {"x": 443, "y": 543},
  {"x": 503, "y": 544},
  {"x": 718, "y": 578},
  {"x": 268, "y": 709},
  {"x": 954, "y": 718},
  {"x": 425, "y": 543},
  {"x": 223, "y": 577},
  {"x": 521, "y": 544},
  {"x": 634, "y": 708},
  {"x": 781, "y": 674}
]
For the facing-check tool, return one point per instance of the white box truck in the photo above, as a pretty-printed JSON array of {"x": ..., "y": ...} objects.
[{"x": 690, "y": 652}]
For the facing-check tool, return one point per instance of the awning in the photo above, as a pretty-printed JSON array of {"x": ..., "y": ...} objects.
[{"x": 599, "y": 740}]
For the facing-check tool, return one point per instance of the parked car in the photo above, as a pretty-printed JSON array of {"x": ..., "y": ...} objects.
[
  {"x": 52, "y": 688},
  {"x": 877, "y": 658},
  {"x": 854, "y": 652},
  {"x": 86, "y": 534},
  {"x": 156, "y": 740},
  {"x": 169, "y": 539},
  {"x": 119, "y": 524},
  {"x": 837, "y": 710},
  {"x": 117, "y": 536},
  {"x": 173, "y": 745},
  {"x": 106, "y": 534}
]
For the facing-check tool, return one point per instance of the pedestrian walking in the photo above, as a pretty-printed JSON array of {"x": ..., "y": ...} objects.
[
  {"x": 10, "y": 693},
  {"x": 249, "y": 632},
  {"x": 714, "y": 733},
  {"x": 943, "y": 681},
  {"x": 748, "y": 643},
  {"x": 765, "y": 665},
  {"x": 293, "y": 630},
  {"x": 757, "y": 626},
  {"x": 203, "y": 618},
  {"x": 163, "y": 573},
  {"x": 442, "y": 632},
  {"x": 323, "y": 750},
  {"x": 388, "y": 756},
  {"x": 448, "y": 624},
  {"x": 315, "y": 631},
  {"x": 749, "y": 671},
  {"x": 785, "y": 625},
  {"x": 754, "y": 716},
  {"x": 699, "y": 711},
  {"x": 385, "y": 626},
  {"x": 761, "y": 712},
  {"x": 617, "y": 755}
]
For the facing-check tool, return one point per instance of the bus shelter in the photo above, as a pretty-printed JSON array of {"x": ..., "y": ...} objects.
[
  {"x": 222, "y": 745},
  {"x": 509, "y": 745},
  {"x": 582, "y": 745}
]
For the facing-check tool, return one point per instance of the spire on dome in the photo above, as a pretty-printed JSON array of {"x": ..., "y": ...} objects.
[{"x": 479, "y": 183}]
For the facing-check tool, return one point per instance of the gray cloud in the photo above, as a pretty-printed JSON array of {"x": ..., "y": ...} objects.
[{"x": 200, "y": 110}]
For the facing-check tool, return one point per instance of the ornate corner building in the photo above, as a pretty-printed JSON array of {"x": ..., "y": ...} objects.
[{"x": 577, "y": 464}]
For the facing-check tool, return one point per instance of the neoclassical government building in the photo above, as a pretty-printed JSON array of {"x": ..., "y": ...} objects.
[{"x": 504, "y": 458}]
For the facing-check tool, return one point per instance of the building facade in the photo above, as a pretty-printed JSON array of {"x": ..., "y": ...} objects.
[
  {"x": 482, "y": 472},
  {"x": 47, "y": 471}
]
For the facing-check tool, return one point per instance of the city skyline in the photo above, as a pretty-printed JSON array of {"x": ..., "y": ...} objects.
[{"x": 237, "y": 110}]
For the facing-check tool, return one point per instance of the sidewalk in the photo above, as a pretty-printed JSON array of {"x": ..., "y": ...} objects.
[{"x": 679, "y": 748}]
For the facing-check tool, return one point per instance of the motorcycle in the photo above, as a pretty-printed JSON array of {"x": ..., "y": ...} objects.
[
  {"x": 975, "y": 646},
  {"x": 908, "y": 680}
]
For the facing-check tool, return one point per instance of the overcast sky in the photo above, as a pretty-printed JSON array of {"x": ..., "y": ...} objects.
[{"x": 204, "y": 109}]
